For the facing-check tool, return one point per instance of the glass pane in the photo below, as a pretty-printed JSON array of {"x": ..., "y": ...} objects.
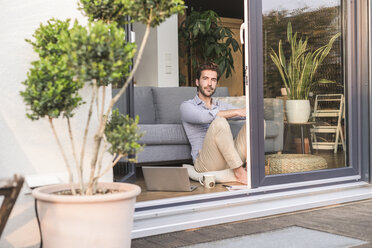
[
  {"x": 166, "y": 77},
  {"x": 304, "y": 70}
]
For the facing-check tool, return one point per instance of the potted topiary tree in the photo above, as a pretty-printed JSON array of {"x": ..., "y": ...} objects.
[
  {"x": 86, "y": 213},
  {"x": 298, "y": 73}
]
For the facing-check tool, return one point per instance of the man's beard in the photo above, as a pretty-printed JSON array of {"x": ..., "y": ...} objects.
[{"x": 202, "y": 91}]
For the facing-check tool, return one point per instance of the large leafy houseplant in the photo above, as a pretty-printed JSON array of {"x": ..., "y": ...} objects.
[
  {"x": 299, "y": 70},
  {"x": 98, "y": 55},
  {"x": 205, "y": 39}
]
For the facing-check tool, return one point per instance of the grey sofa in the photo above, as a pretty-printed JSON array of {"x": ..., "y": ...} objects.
[
  {"x": 165, "y": 138},
  {"x": 274, "y": 119}
]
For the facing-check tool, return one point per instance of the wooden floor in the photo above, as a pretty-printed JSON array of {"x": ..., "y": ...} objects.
[
  {"x": 334, "y": 160},
  {"x": 156, "y": 195}
]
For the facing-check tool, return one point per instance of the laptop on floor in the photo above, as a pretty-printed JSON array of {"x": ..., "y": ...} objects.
[{"x": 167, "y": 179}]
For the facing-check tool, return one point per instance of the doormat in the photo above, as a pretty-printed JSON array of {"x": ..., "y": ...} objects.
[{"x": 290, "y": 237}]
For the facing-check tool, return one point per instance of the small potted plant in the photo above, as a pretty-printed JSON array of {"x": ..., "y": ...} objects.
[
  {"x": 86, "y": 213},
  {"x": 298, "y": 73}
]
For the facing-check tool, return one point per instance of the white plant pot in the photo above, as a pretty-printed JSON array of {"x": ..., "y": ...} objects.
[
  {"x": 298, "y": 111},
  {"x": 86, "y": 221}
]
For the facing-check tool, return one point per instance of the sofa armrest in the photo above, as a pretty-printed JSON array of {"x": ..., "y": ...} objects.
[{"x": 274, "y": 112}]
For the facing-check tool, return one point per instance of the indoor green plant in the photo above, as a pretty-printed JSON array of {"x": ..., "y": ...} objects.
[
  {"x": 203, "y": 39},
  {"x": 298, "y": 72},
  {"x": 96, "y": 55}
]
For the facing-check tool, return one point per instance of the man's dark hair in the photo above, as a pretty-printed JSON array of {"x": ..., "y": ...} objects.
[{"x": 207, "y": 66}]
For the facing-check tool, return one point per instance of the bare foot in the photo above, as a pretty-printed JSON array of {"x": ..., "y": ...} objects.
[{"x": 241, "y": 175}]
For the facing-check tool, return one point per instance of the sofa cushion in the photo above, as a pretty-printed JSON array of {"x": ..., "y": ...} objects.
[
  {"x": 160, "y": 153},
  {"x": 163, "y": 134},
  {"x": 144, "y": 105},
  {"x": 221, "y": 91},
  {"x": 168, "y": 101}
]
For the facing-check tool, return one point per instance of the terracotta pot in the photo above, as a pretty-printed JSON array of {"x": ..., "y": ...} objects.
[{"x": 86, "y": 221}]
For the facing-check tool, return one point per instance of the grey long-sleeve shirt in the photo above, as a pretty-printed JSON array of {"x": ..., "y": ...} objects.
[{"x": 196, "y": 118}]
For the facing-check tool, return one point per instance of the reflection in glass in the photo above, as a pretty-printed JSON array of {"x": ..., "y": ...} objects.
[{"x": 320, "y": 142}]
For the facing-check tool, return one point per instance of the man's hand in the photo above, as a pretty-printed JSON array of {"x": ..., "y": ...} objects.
[
  {"x": 241, "y": 112},
  {"x": 241, "y": 175},
  {"x": 232, "y": 113}
]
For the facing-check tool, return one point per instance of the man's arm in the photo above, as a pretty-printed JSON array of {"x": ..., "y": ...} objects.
[
  {"x": 232, "y": 113},
  {"x": 192, "y": 114}
]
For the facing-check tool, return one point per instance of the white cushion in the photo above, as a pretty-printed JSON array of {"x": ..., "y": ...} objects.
[
  {"x": 237, "y": 101},
  {"x": 221, "y": 176}
]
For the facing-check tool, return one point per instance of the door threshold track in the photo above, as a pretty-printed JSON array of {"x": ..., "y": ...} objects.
[{"x": 181, "y": 217}]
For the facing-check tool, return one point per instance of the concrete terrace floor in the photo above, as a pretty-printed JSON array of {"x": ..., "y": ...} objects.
[{"x": 353, "y": 220}]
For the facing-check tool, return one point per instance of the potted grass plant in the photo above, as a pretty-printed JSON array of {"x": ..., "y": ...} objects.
[
  {"x": 84, "y": 212},
  {"x": 298, "y": 73}
]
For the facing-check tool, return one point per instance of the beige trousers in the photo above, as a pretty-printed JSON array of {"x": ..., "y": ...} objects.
[{"x": 220, "y": 151}]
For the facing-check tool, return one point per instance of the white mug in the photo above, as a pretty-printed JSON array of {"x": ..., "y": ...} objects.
[{"x": 208, "y": 181}]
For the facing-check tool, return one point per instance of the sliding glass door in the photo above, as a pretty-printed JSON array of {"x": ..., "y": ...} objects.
[{"x": 304, "y": 58}]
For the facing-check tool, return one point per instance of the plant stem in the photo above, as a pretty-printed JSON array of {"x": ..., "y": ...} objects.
[
  {"x": 78, "y": 167},
  {"x": 98, "y": 136},
  {"x": 97, "y": 144},
  {"x": 70, "y": 176},
  {"x": 100, "y": 158},
  {"x": 110, "y": 166},
  {"x": 97, "y": 104},
  {"x": 95, "y": 179},
  {"x": 103, "y": 150},
  {"x": 103, "y": 103},
  {"x": 87, "y": 125}
]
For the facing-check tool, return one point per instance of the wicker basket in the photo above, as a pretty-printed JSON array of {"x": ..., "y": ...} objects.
[{"x": 291, "y": 163}]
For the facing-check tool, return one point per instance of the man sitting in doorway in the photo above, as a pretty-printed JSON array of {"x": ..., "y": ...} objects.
[{"x": 204, "y": 120}]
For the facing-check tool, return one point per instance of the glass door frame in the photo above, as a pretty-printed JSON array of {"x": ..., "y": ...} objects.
[
  {"x": 360, "y": 103},
  {"x": 357, "y": 104}
]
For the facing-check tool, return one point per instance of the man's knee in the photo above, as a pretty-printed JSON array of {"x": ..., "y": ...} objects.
[{"x": 220, "y": 123}]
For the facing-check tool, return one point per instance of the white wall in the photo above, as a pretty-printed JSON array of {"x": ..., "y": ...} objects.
[
  {"x": 147, "y": 72},
  {"x": 168, "y": 53},
  {"x": 28, "y": 147},
  {"x": 159, "y": 64}
]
